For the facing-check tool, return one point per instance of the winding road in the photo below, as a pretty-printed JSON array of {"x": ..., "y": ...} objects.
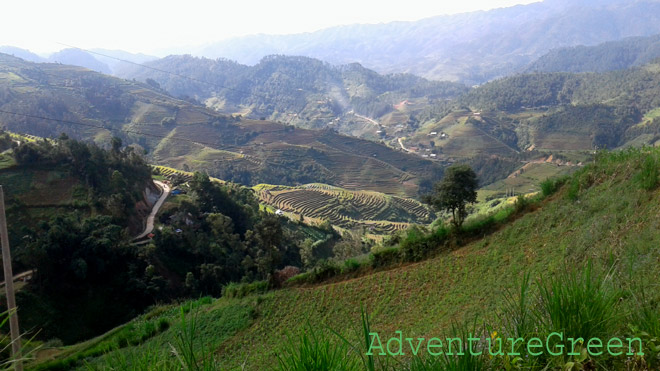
[
  {"x": 401, "y": 144},
  {"x": 148, "y": 228},
  {"x": 150, "y": 219},
  {"x": 367, "y": 118}
]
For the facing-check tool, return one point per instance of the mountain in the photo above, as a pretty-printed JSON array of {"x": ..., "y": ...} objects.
[
  {"x": 118, "y": 59},
  {"x": 471, "y": 47},
  {"x": 22, "y": 53},
  {"x": 301, "y": 91},
  {"x": 564, "y": 111},
  {"x": 77, "y": 57},
  {"x": 92, "y": 106},
  {"x": 609, "y": 56}
]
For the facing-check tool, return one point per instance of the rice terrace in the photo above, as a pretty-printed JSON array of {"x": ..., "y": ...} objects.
[{"x": 377, "y": 212}]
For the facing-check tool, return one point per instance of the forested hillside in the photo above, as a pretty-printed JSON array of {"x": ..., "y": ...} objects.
[
  {"x": 609, "y": 56},
  {"x": 604, "y": 110},
  {"x": 301, "y": 91},
  {"x": 49, "y": 99},
  {"x": 74, "y": 209}
]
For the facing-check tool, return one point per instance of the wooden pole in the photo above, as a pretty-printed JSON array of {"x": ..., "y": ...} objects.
[{"x": 9, "y": 286}]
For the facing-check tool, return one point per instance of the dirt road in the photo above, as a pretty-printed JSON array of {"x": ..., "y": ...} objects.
[
  {"x": 402, "y": 146},
  {"x": 150, "y": 219}
]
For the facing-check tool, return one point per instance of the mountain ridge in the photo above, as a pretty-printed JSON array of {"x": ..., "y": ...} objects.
[{"x": 470, "y": 47}]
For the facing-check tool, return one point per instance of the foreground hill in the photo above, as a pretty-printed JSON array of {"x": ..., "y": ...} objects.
[
  {"x": 48, "y": 99},
  {"x": 604, "y": 216},
  {"x": 471, "y": 47}
]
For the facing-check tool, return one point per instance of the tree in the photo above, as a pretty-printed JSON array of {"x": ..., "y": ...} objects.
[
  {"x": 116, "y": 145},
  {"x": 153, "y": 83},
  {"x": 454, "y": 192}
]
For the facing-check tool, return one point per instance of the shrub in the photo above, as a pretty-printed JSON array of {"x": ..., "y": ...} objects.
[
  {"x": 239, "y": 290},
  {"x": 479, "y": 225},
  {"x": 579, "y": 305},
  {"x": 148, "y": 331},
  {"x": 414, "y": 246},
  {"x": 521, "y": 203},
  {"x": 315, "y": 352},
  {"x": 385, "y": 257},
  {"x": 350, "y": 265},
  {"x": 573, "y": 189},
  {"x": 647, "y": 178},
  {"x": 324, "y": 269},
  {"x": 284, "y": 274},
  {"x": 445, "y": 362},
  {"x": 163, "y": 324}
]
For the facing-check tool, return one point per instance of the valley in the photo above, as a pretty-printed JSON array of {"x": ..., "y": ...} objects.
[{"x": 285, "y": 201}]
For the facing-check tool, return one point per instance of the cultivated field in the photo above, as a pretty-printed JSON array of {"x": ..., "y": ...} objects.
[{"x": 377, "y": 212}]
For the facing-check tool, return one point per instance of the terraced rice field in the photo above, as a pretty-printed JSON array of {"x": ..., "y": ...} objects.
[
  {"x": 377, "y": 212},
  {"x": 170, "y": 173}
]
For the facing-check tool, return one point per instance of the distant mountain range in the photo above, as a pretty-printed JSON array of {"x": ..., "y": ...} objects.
[
  {"x": 22, "y": 53},
  {"x": 471, "y": 47},
  {"x": 609, "y": 56},
  {"x": 99, "y": 60}
]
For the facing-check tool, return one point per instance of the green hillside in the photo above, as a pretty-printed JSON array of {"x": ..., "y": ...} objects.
[
  {"x": 91, "y": 106},
  {"x": 604, "y": 215},
  {"x": 299, "y": 91},
  {"x": 609, "y": 56},
  {"x": 526, "y": 117}
]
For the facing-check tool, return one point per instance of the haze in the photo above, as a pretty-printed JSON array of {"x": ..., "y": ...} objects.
[{"x": 164, "y": 27}]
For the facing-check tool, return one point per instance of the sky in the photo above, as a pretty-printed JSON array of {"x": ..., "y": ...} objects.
[{"x": 159, "y": 27}]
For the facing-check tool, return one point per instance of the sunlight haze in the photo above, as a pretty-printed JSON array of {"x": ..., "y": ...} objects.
[{"x": 163, "y": 27}]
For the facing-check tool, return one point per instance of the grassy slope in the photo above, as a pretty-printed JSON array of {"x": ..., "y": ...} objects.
[{"x": 612, "y": 222}]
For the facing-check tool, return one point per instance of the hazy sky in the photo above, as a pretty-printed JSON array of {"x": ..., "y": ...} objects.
[{"x": 154, "y": 26}]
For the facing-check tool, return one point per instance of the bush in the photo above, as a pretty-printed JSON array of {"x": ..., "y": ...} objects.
[
  {"x": 350, "y": 265},
  {"x": 385, "y": 257},
  {"x": 324, "y": 269},
  {"x": 521, "y": 204},
  {"x": 479, "y": 225},
  {"x": 163, "y": 324},
  {"x": 240, "y": 290},
  {"x": 550, "y": 186},
  {"x": 647, "y": 178},
  {"x": 415, "y": 245},
  {"x": 315, "y": 352},
  {"x": 285, "y": 274},
  {"x": 579, "y": 305},
  {"x": 457, "y": 362},
  {"x": 573, "y": 189}
]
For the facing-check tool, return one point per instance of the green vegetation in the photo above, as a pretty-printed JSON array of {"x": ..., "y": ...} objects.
[
  {"x": 300, "y": 91},
  {"x": 88, "y": 277},
  {"x": 180, "y": 134},
  {"x": 609, "y": 56},
  {"x": 457, "y": 189},
  {"x": 515, "y": 277}
]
